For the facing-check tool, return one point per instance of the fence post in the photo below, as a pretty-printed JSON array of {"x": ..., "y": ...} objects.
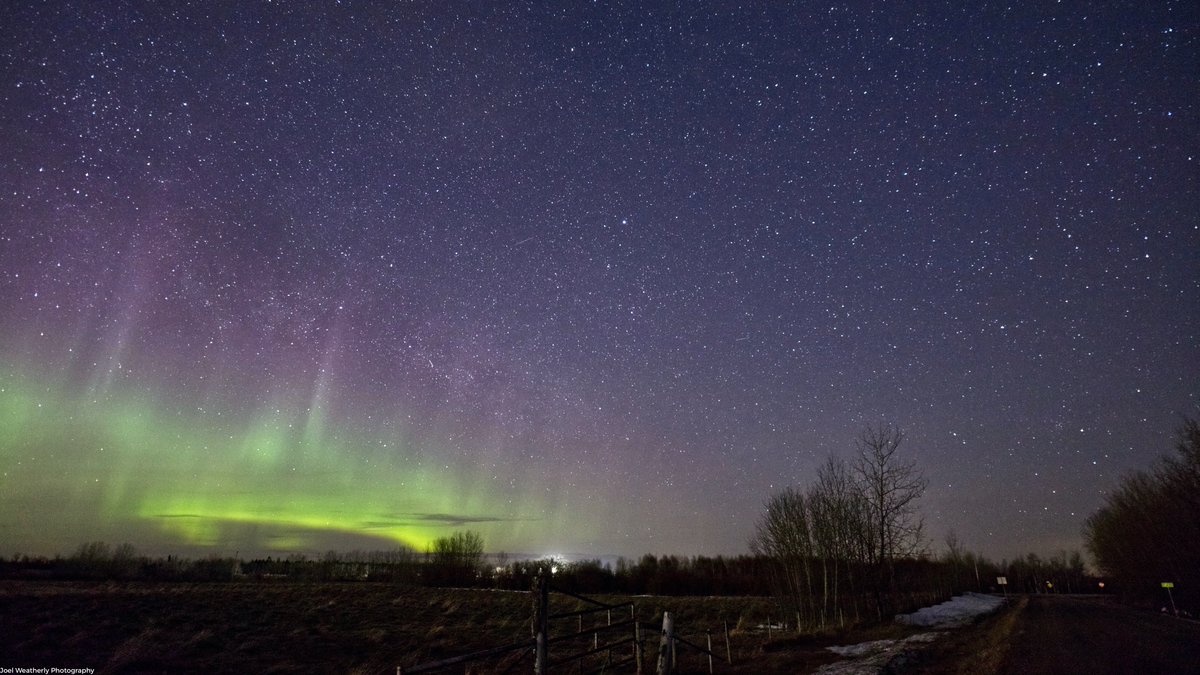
[
  {"x": 608, "y": 654},
  {"x": 709, "y": 636},
  {"x": 666, "y": 646},
  {"x": 541, "y": 613},
  {"x": 637, "y": 644},
  {"x": 728, "y": 651}
]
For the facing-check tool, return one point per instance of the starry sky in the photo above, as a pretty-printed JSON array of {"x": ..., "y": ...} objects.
[{"x": 590, "y": 278}]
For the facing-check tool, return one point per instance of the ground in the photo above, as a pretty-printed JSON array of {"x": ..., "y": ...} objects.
[
  {"x": 272, "y": 627},
  {"x": 280, "y": 627}
]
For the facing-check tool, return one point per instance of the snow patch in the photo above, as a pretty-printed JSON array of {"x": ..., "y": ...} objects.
[
  {"x": 956, "y": 611},
  {"x": 870, "y": 658}
]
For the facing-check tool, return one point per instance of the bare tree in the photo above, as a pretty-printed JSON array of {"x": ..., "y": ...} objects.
[
  {"x": 783, "y": 535},
  {"x": 456, "y": 559},
  {"x": 844, "y": 534},
  {"x": 892, "y": 487},
  {"x": 954, "y": 557},
  {"x": 840, "y": 526},
  {"x": 954, "y": 547}
]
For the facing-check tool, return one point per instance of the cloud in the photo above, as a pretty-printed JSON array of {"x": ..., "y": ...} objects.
[
  {"x": 447, "y": 519},
  {"x": 397, "y": 520},
  {"x": 455, "y": 519}
]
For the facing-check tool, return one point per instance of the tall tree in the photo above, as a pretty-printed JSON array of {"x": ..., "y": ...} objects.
[
  {"x": 891, "y": 487},
  {"x": 840, "y": 528}
]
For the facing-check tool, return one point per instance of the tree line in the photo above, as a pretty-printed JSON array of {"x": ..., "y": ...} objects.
[
  {"x": 743, "y": 575},
  {"x": 454, "y": 560},
  {"x": 1148, "y": 531},
  {"x": 457, "y": 560}
]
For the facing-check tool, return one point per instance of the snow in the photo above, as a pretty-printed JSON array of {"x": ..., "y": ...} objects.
[
  {"x": 864, "y": 648},
  {"x": 869, "y": 658},
  {"x": 955, "y": 612}
]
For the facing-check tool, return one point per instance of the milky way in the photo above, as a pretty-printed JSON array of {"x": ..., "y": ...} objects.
[{"x": 589, "y": 278}]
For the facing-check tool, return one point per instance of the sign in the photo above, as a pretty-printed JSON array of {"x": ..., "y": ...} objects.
[
  {"x": 1168, "y": 584},
  {"x": 1003, "y": 581}
]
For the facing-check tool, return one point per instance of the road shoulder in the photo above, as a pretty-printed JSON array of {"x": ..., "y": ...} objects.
[{"x": 980, "y": 648}]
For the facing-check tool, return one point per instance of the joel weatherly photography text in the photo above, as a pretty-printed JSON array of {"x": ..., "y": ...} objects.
[{"x": 16, "y": 670}]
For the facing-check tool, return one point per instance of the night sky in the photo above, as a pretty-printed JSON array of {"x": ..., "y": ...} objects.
[{"x": 590, "y": 278}]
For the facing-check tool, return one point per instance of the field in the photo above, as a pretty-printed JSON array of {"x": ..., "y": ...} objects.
[{"x": 280, "y": 627}]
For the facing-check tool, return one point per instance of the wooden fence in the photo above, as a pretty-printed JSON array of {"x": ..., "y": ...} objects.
[{"x": 616, "y": 645}]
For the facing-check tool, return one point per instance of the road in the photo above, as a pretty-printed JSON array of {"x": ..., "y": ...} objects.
[
  {"x": 1094, "y": 635},
  {"x": 1033, "y": 635}
]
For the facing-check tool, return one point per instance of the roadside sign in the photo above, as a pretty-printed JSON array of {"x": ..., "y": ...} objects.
[
  {"x": 1002, "y": 581},
  {"x": 1169, "y": 585}
]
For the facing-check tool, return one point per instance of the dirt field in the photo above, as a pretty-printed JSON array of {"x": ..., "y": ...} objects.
[
  {"x": 273, "y": 627},
  {"x": 269, "y": 627}
]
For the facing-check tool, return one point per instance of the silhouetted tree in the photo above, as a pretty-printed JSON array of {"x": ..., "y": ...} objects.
[
  {"x": 891, "y": 487},
  {"x": 456, "y": 559},
  {"x": 784, "y": 535},
  {"x": 1148, "y": 530},
  {"x": 841, "y": 529}
]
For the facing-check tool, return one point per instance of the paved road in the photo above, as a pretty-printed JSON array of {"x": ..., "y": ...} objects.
[{"x": 1064, "y": 634}]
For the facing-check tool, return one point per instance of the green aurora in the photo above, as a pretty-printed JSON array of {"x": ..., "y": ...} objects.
[{"x": 125, "y": 466}]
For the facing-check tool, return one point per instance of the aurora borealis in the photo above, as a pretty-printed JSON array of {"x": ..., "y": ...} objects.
[{"x": 589, "y": 278}]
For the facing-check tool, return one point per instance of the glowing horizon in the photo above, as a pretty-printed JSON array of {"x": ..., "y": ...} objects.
[{"x": 205, "y": 478}]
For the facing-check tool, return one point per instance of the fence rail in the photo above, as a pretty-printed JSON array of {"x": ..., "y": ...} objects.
[{"x": 539, "y": 645}]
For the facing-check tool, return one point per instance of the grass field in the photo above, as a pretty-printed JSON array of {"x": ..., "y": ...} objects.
[{"x": 280, "y": 627}]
